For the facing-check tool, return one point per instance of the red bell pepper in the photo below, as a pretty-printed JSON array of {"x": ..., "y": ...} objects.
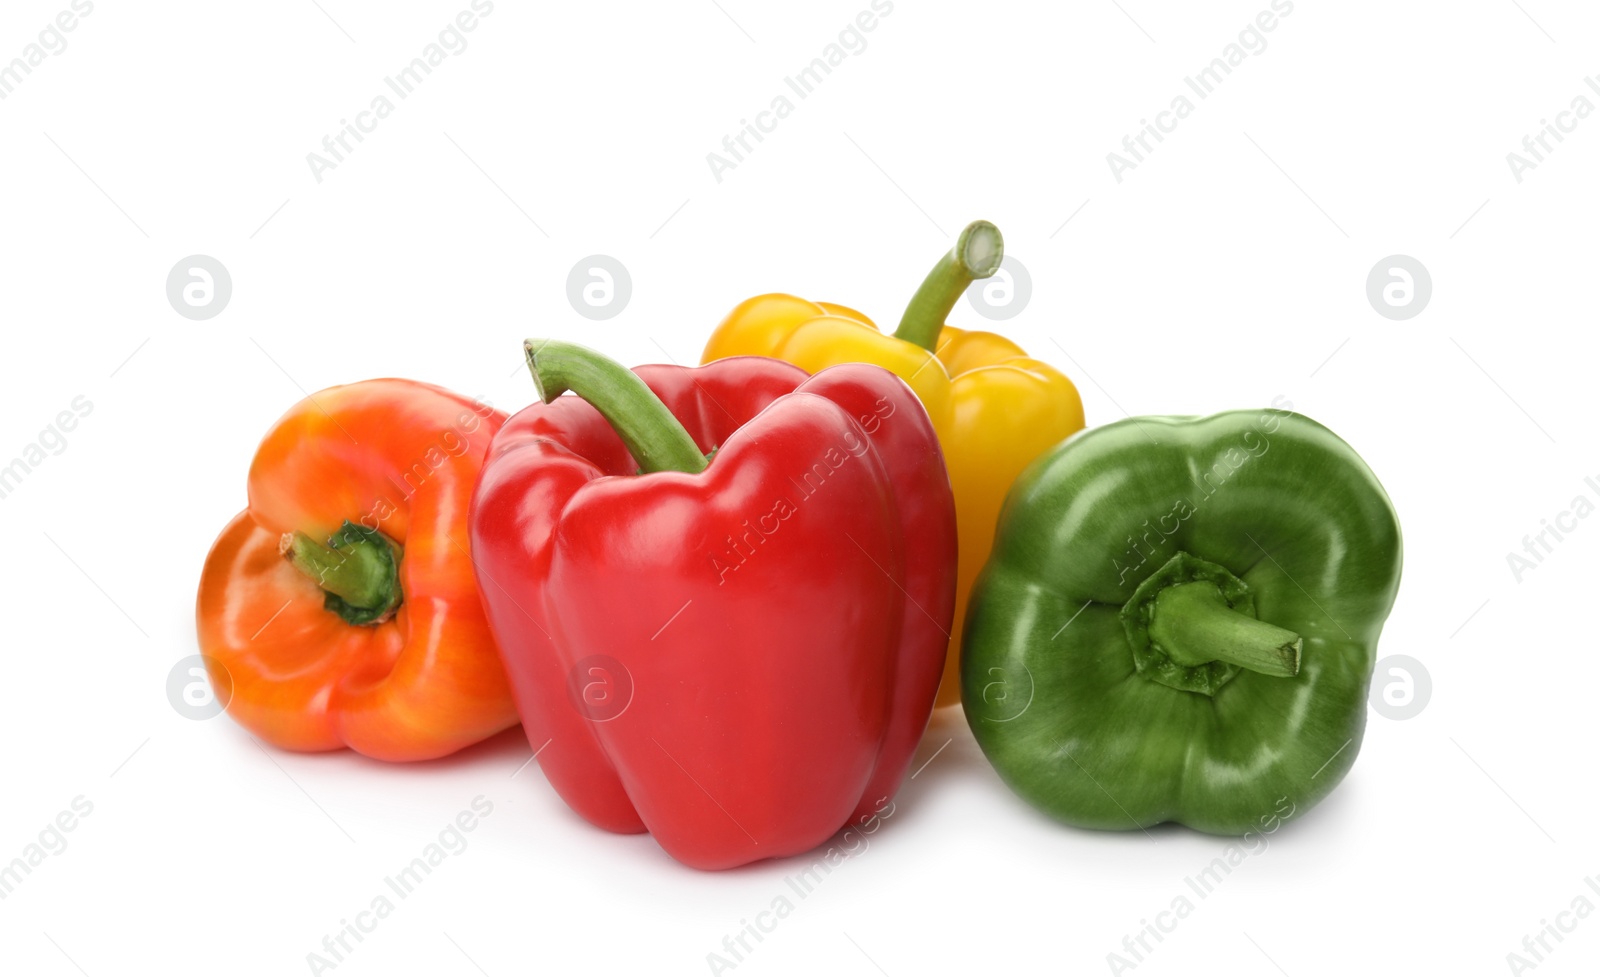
[{"x": 738, "y": 654}]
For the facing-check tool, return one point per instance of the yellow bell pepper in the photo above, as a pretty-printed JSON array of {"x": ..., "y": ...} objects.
[{"x": 995, "y": 408}]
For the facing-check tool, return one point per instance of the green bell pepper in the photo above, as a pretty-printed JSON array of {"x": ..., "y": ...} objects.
[{"x": 1179, "y": 621}]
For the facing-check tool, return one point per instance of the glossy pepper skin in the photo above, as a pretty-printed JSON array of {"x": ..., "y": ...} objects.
[
  {"x": 995, "y": 408},
  {"x": 738, "y": 656},
  {"x": 363, "y": 489},
  {"x": 1180, "y": 620}
]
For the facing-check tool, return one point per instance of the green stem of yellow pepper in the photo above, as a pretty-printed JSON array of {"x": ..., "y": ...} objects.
[{"x": 977, "y": 254}]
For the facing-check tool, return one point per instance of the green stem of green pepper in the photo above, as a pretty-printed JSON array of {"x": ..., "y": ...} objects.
[
  {"x": 653, "y": 436},
  {"x": 359, "y": 574},
  {"x": 1193, "y": 624},
  {"x": 977, "y": 254}
]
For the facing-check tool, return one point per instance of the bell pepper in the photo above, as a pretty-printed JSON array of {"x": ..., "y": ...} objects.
[
  {"x": 1179, "y": 622},
  {"x": 994, "y": 408},
  {"x": 340, "y": 609},
  {"x": 722, "y": 594}
]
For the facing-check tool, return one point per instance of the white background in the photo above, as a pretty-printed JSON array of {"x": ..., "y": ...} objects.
[{"x": 1225, "y": 270}]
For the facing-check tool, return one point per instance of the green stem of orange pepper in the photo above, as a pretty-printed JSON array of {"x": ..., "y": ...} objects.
[{"x": 358, "y": 573}]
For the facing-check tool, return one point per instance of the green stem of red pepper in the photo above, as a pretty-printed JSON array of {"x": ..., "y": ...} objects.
[
  {"x": 657, "y": 441},
  {"x": 977, "y": 254},
  {"x": 359, "y": 572},
  {"x": 1193, "y": 624}
]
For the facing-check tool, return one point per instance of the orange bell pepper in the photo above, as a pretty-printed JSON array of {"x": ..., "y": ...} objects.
[
  {"x": 339, "y": 609},
  {"x": 994, "y": 408}
]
